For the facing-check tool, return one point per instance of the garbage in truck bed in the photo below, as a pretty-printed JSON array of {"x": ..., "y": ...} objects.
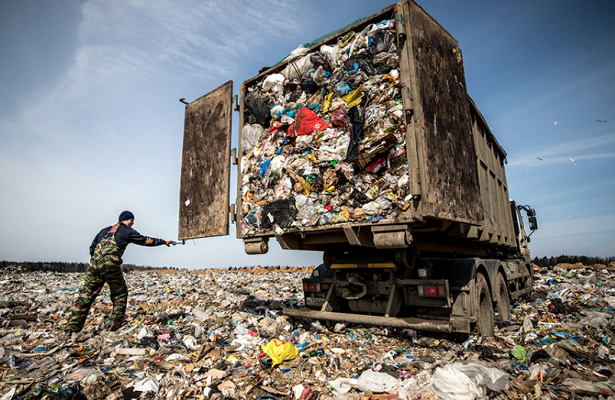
[{"x": 324, "y": 139}]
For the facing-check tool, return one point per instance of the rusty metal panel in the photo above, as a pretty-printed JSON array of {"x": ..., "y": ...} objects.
[
  {"x": 205, "y": 173},
  {"x": 450, "y": 188},
  {"x": 492, "y": 179}
]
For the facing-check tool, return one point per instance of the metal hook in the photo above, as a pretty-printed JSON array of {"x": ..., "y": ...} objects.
[{"x": 183, "y": 100}]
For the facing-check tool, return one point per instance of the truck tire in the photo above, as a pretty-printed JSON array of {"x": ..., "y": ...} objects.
[
  {"x": 484, "y": 308},
  {"x": 503, "y": 300}
]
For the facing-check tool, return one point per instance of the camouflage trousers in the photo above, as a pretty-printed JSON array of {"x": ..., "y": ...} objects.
[{"x": 108, "y": 271}]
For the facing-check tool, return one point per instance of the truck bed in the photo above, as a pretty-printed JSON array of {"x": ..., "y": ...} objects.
[
  {"x": 454, "y": 196},
  {"x": 455, "y": 165}
]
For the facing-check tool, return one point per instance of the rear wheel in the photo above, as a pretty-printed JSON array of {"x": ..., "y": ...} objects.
[
  {"x": 484, "y": 308},
  {"x": 503, "y": 300}
]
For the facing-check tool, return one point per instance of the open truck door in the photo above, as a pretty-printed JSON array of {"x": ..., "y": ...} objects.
[{"x": 205, "y": 172}]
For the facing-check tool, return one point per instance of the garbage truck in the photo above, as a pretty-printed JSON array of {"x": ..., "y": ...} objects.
[{"x": 365, "y": 145}]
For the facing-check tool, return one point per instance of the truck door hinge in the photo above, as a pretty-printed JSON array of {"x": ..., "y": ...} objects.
[
  {"x": 409, "y": 114},
  {"x": 231, "y": 209},
  {"x": 234, "y": 156}
]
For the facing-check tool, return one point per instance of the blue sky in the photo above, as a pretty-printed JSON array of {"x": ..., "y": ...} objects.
[{"x": 90, "y": 122}]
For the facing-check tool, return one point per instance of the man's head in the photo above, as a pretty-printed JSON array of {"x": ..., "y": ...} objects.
[{"x": 127, "y": 218}]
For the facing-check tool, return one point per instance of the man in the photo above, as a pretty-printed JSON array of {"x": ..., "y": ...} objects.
[{"x": 105, "y": 266}]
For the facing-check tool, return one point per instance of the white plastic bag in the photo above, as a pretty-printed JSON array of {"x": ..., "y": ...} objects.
[
  {"x": 334, "y": 54},
  {"x": 298, "y": 52},
  {"x": 369, "y": 380},
  {"x": 251, "y": 136},
  {"x": 83, "y": 373},
  {"x": 200, "y": 314},
  {"x": 9, "y": 395},
  {"x": 596, "y": 320},
  {"x": 274, "y": 82},
  {"x": 467, "y": 382},
  {"x": 298, "y": 68},
  {"x": 190, "y": 342},
  {"x": 146, "y": 385}
]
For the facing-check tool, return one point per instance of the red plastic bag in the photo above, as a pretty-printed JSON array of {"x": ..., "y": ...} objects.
[{"x": 306, "y": 123}]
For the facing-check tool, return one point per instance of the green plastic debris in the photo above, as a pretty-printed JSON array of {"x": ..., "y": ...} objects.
[{"x": 519, "y": 353}]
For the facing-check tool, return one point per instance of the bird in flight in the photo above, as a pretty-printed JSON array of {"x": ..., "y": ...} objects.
[
  {"x": 540, "y": 158},
  {"x": 601, "y": 120}
]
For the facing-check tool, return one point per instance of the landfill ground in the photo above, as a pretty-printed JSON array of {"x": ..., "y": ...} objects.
[{"x": 216, "y": 335}]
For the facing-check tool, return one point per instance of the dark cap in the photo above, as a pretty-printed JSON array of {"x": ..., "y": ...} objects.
[{"x": 126, "y": 215}]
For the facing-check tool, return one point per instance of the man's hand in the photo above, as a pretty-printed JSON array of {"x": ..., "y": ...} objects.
[{"x": 166, "y": 243}]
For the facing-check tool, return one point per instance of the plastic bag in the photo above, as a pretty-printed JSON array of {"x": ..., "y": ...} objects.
[
  {"x": 334, "y": 54},
  {"x": 298, "y": 68},
  {"x": 369, "y": 380},
  {"x": 9, "y": 395},
  {"x": 373, "y": 207},
  {"x": 298, "y": 52},
  {"x": 319, "y": 76},
  {"x": 280, "y": 351},
  {"x": 519, "y": 352},
  {"x": 150, "y": 341},
  {"x": 251, "y": 136},
  {"x": 363, "y": 61},
  {"x": 276, "y": 112},
  {"x": 280, "y": 212},
  {"x": 467, "y": 382},
  {"x": 273, "y": 82},
  {"x": 18, "y": 363},
  {"x": 595, "y": 320},
  {"x": 306, "y": 123},
  {"x": 258, "y": 108},
  {"x": 146, "y": 385},
  {"x": 383, "y": 42},
  {"x": 284, "y": 188},
  {"x": 353, "y": 98},
  {"x": 343, "y": 88},
  {"x": 537, "y": 371},
  {"x": 82, "y": 373},
  {"x": 200, "y": 314}
]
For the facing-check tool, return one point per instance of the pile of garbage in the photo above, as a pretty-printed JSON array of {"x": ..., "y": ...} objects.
[
  {"x": 324, "y": 139},
  {"x": 223, "y": 336}
]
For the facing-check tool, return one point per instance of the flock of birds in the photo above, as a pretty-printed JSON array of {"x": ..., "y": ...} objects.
[{"x": 570, "y": 158}]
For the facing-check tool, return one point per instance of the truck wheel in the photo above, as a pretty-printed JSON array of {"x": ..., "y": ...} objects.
[
  {"x": 484, "y": 308},
  {"x": 503, "y": 302}
]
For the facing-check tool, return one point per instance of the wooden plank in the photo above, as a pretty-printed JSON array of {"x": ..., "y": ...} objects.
[{"x": 205, "y": 173}]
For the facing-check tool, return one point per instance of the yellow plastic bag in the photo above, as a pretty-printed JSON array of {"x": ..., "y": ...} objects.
[
  {"x": 280, "y": 351},
  {"x": 353, "y": 98},
  {"x": 327, "y": 102}
]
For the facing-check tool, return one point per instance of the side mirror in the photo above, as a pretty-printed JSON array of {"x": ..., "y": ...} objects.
[{"x": 533, "y": 223}]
